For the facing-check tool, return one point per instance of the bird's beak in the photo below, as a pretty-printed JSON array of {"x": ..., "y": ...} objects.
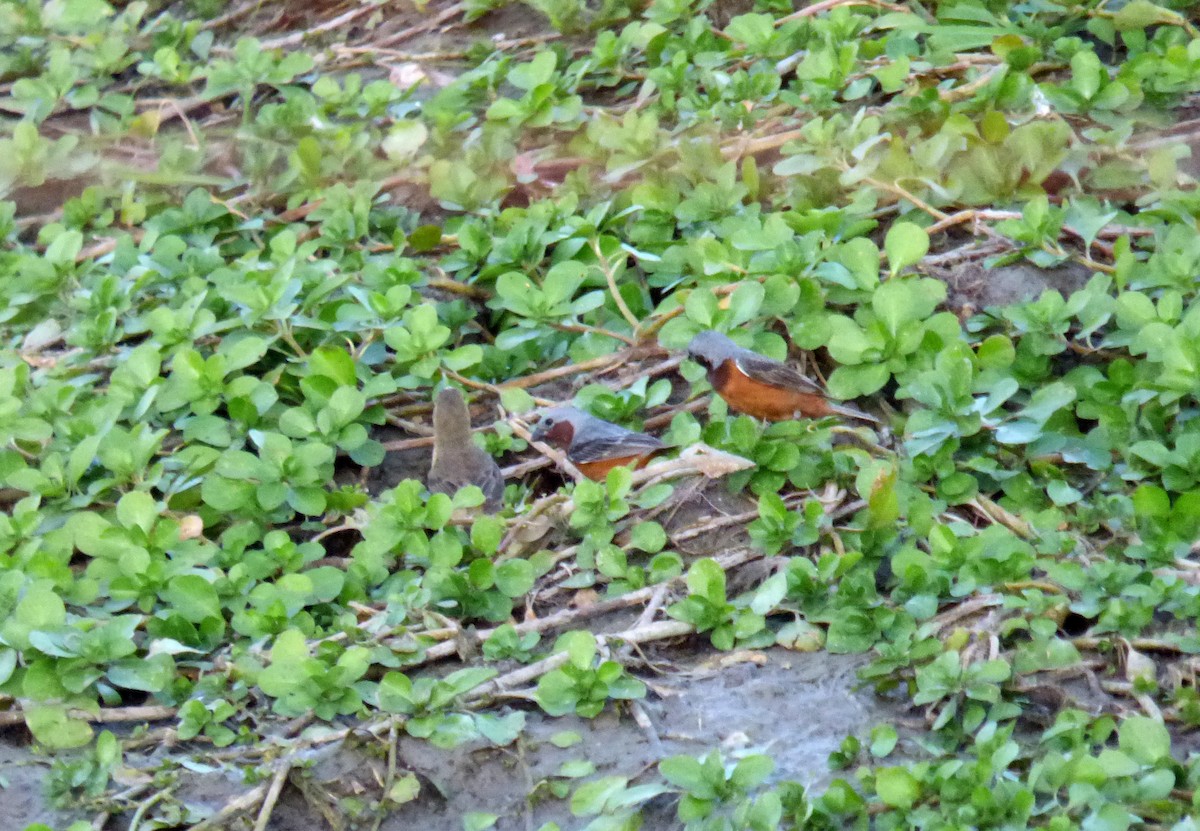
[{"x": 539, "y": 432}]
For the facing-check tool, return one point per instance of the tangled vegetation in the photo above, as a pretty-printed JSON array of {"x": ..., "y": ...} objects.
[{"x": 242, "y": 247}]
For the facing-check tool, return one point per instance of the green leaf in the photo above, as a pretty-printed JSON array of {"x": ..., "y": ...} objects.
[
  {"x": 464, "y": 680},
  {"x": 905, "y": 245},
  {"x": 883, "y": 501},
  {"x": 1061, "y": 493},
  {"x": 687, "y": 773},
  {"x": 556, "y": 693},
  {"x": 8, "y": 663},
  {"x": 565, "y": 739},
  {"x": 242, "y": 352},
  {"x": 514, "y": 577},
  {"x": 1145, "y": 739},
  {"x": 745, "y": 302},
  {"x": 82, "y": 456},
  {"x": 856, "y": 381},
  {"x": 151, "y": 675},
  {"x": 64, "y": 248},
  {"x": 883, "y": 740},
  {"x": 395, "y": 693},
  {"x": 770, "y": 594},
  {"x": 193, "y": 597},
  {"x": 335, "y": 363},
  {"x": 861, "y": 258},
  {"x": 290, "y": 647},
  {"x": 516, "y": 291},
  {"x": 1138, "y": 14},
  {"x": 137, "y": 509},
  {"x": 648, "y": 536},
  {"x": 533, "y": 73},
  {"x": 405, "y": 789},
  {"x": 752, "y": 771},
  {"x": 997, "y": 352},
  {"x": 707, "y": 579},
  {"x": 40, "y": 609},
  {"x": 1153, "y": 452},
  {"x": 580, "y": 645},
  {"x": 479, "y": 821},
  {"x": 486, "y": 533},
  {"x": 1151, "y": 501},
  {"x": 753, "y": 30},
  {"x": 562, "y": 281},
  {"x": 404, "y": 140},
  {"x": 516, "y": 400},
  {"x": 1086, "y": 73},
  {"x": 897, "y": 302},
  {"x": 500, "y": 730},
  {"x": 463, "y": 358},
  {"x": 593, "y": 797},
  {"x": 897, "y": 787},
  {"x": 51, "y": 726},
  {"x": 1116, "y": 763},
  {"x": 701, "y": 307},
  {"x": 425, "y": 238}
]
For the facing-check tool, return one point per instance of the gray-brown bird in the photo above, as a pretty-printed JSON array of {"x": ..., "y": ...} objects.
[
  {"x": 759, "y": 386},
  {"x": 458, "y": 461},
  {"x": 594, "y": 445}
]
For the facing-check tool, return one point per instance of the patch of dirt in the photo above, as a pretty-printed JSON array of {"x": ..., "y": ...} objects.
[
  {"x": 22, "y": 778},
  {"x": 971, "y": 286},
  {"x": 797, "y": 707},
  {"x": 397, "y": 465},
  {"x": 435, "y": 28}
]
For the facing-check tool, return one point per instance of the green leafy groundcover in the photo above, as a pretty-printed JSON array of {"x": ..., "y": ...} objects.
[{"x": 263, "y": 251}]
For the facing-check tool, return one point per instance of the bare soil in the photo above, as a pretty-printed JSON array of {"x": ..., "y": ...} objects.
[{"x": 797, "y": 707}]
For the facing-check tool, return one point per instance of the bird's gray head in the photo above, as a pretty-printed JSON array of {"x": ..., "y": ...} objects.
[
  {"x": 711, "y": 349},
  {"x": 558, "y": 425},
  {"x": 450, "y": 413},
  {"x": 450, "y": 408}
]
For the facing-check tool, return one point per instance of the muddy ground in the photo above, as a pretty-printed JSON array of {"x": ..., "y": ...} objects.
[{"x": 797, "y": 707}]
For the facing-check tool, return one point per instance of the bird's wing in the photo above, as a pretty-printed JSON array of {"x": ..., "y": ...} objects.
[
  {"x": 774, "y": 373},
  {"x": 471, "y": 469},
  {"x": 492, "y": 486},
  {"x": 781, "y": 375},
  {"x": 611, "y": 443}
]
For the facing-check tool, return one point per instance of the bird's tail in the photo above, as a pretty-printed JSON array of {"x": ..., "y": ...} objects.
[{"x": 850, "y": 412}]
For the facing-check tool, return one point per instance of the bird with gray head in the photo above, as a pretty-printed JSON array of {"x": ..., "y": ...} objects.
[
  {"x": 759, "y": 386},
  {"x": 457, "y": 460},
  {"x": 594, "y": 445}
]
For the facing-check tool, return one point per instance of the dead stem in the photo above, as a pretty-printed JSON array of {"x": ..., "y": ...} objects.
[
  {"x": 445, "y": 15},
  {"x": 583, "y": 329},
  {"x": 264, "y": 815},
  {"x": 826, "y": 5},
  {"x": 105, "y": 715},
  {"x": 333, "y": 24},
  {"x": 492, "y": 388},
  {"x": 610, "y": 276}
]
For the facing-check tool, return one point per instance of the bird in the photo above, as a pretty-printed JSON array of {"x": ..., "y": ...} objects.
[
  {"x": 760, "y": 386},
  {"x": 458, "y": 461},
  {"x": 594, "y": 445}
]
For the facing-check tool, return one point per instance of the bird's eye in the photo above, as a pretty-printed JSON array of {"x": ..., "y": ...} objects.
[{"x": 547, "y": 422}]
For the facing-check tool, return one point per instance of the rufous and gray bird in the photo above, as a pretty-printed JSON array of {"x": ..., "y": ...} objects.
[
  {"x": 762, "y": 387},
  {"x": 594, "y": 445}
]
